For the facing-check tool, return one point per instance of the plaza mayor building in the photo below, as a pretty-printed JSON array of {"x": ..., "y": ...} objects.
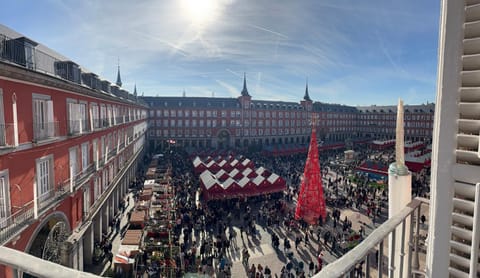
[{"x": 208, "y": 122}]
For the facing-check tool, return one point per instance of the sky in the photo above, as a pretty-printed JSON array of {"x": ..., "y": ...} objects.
[{"x": 357, "y": 52}]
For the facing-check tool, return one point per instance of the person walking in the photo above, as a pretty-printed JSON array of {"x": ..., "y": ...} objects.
[{"x": 311, "y": 267}]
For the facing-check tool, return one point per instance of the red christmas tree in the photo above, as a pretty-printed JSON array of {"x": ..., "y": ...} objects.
[{"x": 310, "y": 203}]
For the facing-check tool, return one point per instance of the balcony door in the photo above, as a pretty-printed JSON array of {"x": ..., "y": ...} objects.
[
  {"x": 43, "y": 125},
  {"x": 4, "y": 199},
  {"x": 2, "y": 121}
]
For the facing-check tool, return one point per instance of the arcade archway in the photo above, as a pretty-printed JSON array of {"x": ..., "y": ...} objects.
[
  {"x": 223, "y": 139},
  {"x": 48, "y": 239}
]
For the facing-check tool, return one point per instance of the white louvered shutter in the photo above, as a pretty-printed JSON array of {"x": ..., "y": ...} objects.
[{"x": 465, "y": 234}]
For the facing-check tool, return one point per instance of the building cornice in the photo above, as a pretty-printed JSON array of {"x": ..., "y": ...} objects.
[{"x": 17, "y": 73}]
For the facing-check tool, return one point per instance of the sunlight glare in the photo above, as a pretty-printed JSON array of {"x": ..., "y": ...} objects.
[{"x": 200, "y": 11}]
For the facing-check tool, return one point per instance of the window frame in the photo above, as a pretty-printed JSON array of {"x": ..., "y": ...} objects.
[{"x": 4, "y": 198}]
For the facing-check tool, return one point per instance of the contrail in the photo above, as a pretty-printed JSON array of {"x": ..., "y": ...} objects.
[
  {"x": 269, "y": 31},
  {"x": 176, "y": 49},
  {"x": 234, "y": 73}
]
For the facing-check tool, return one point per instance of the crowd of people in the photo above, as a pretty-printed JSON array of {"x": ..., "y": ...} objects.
[{"x": 214, "y": 235}]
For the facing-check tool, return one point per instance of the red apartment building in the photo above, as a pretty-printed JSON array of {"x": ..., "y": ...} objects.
[{"x": 70, "y": 145}]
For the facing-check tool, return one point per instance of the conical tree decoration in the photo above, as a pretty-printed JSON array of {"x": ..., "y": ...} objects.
[{"x": 310, "y": 203}]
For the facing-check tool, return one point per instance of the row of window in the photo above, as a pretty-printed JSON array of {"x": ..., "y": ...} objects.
[
  {"x": 409, "y": 131},
  {"x": 238, "y": 132},
  {"x": 79, "y": 163},
  {"x": 274, "y": 114},
  {"x": 393, "y": 117},
  {"x": 225, "y": 113},
  {"x": 252, "y": 105},
  {"x": 223, "y": 123},
  {"x": 101, "y": 116}
]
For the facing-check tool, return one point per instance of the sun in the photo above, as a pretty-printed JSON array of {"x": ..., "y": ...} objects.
[{"x": 200, "y": 11}]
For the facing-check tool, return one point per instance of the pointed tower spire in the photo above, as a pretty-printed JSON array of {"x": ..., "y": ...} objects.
[
  {"x": 306, "y": 96},
  {"x": 135, "y": 90},
  {"x": 119, "y": 80},
  {"x": 244, "y": 90}
]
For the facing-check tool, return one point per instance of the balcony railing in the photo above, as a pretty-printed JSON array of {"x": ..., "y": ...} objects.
[
  {"x": 76, "y": 127},
  {"x": 18, "y": 220},
  {"x": 119, "y": 120},
  {"x": 361, "y": 255},
  {"x": 83, "y": 175},
  {"x": 45, "y": 130},
  {"x": 53, "y": 195},
  {"x": 24, "y": 215},
  {"x": 6, "y": 135}
]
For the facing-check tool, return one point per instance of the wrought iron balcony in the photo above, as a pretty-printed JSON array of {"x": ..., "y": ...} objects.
[
  {"x": 119, "y": 120},
  {"x": 77, "y": 127},
  {"x": 84, "y": 175},
  {"x": 360, "y": 258},
  {"x": 21, "y": 218},
  {"x": 45, "y": 130},
  {"x": 6, "y": 135},
  {"x": 24, "y": 216}
]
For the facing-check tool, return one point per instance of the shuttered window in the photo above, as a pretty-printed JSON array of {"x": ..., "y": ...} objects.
[
  {"x": 43, "y": 123},
  {"x": 4, "y": 198},
  {"x": 465, "y": 235}
]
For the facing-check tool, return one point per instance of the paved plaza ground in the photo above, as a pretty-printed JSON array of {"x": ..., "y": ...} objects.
[{"x": 262, "y": 252}]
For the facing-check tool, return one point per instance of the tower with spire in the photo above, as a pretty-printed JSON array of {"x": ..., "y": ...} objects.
[
  {"x": 244, "y": 90},
  {"x": 245, "y": 98},
  {"x": 119, "y": 80},
  {"x": 307, "y": 101}
]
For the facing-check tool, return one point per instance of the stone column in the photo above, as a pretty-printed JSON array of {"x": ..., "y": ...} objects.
[
  {"x": 97, "y": 226},
  {"x": 105, "y": 218},
  {"x": 114, "y": 201},
  {"x": 80, "y": 255},
  {"x": 66, "y": 254},
  {"x": 88, "y": 245}
]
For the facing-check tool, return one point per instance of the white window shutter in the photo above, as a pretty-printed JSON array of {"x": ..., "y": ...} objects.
[
  {"x": 50, "y": 123},
  {"x": 465, "y": 234}
]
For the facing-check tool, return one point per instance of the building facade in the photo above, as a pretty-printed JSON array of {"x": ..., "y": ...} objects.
[
  {"x": 207, "y": 122},
  {"x": 70, "y": 145}
]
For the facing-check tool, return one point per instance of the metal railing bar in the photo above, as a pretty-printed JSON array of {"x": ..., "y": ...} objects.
[
  {"x": 367, "y": 265},
  {"x": 402, "y": 248},
  {"x": 410, "y": 245},
  {"x": 380, "y": 260},
  {"x": 346, "y": 262},
  {"x": 391, "y": 267},
  {"x": 417, "y": 237}
]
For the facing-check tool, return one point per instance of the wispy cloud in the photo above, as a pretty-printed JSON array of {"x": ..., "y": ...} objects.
[
  {"x": 352, "y": 52},
  {"x": 232, "y": 90}
]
